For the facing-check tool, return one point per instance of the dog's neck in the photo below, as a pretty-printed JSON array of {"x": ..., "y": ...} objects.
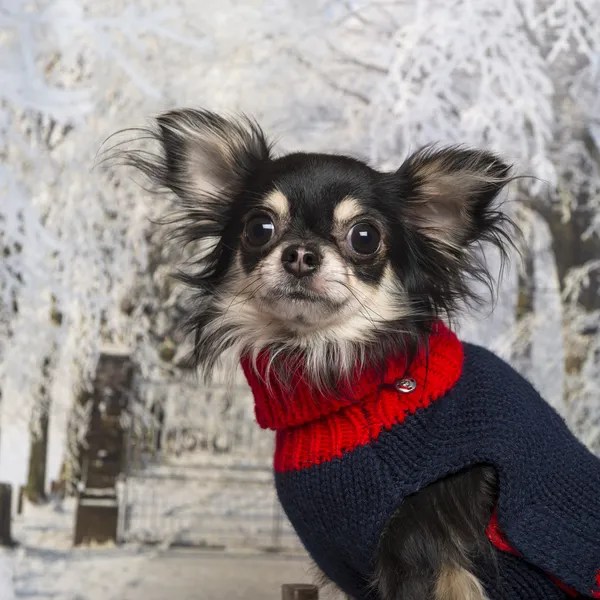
[{"x": 432, "y": 372}]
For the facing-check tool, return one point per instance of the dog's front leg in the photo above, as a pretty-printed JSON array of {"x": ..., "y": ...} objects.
[{"x": 427, "y": 549}]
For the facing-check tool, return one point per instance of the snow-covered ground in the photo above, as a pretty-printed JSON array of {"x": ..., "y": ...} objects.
[
  {"x": 199, "y": 575},
  {"x": 45, "y": 564}
]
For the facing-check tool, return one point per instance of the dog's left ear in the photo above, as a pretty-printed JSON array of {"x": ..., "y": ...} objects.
[{"x": 449, "y": 194}]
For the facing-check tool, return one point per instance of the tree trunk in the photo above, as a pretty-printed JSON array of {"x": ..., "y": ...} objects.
[
  {"x": 36, "y": 478},
  {"x": 5, "y": 515}
]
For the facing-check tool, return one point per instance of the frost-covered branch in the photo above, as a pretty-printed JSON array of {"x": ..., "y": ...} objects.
[{"x": 71, "y": 242}]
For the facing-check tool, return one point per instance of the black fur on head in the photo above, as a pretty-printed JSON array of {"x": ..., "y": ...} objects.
[{"x": 321, "y": 256}]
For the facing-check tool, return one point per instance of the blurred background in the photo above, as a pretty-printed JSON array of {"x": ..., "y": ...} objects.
[{"x": 123, "y": 477}]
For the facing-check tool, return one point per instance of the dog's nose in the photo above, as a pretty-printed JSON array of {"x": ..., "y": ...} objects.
[{"x": 300, "y": 261}]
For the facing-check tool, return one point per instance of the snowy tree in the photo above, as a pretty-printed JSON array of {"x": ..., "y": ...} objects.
[{"x": 71, "y": 242}]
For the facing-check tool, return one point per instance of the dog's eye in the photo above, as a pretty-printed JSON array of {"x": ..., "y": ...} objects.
[
  {"x": 364, "y": 239},
  {"x": 259, "y": 230}
]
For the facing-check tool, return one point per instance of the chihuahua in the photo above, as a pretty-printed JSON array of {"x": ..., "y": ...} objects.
[{"x": 324, "y": 258}]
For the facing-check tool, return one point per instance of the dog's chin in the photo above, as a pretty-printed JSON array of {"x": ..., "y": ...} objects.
[{"x": 302, "y": 310}]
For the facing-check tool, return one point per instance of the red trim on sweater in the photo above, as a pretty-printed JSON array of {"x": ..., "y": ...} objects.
[
  {"x": 312, "y": 428},
  {"x": 499, "y": 540},
  {"x": 596, "y": 592},
  {"x": 497, "y": 537}
]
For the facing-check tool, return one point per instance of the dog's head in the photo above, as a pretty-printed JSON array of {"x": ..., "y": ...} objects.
[{"x": 321, "y": 255}]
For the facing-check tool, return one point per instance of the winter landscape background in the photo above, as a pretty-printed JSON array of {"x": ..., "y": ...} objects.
[{"x": 83, "y": 272}]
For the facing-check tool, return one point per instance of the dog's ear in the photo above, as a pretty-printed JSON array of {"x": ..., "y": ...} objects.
[
  {"x": 206, "y": 156},
  {"x": 205, "y": 160},
  {"x": 450, "y": 192}
]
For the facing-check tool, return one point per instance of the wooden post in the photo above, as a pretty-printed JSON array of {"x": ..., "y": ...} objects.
[
  {"x": 6, "y": 514},
  {"x": 299, "y": 591},
  {"x": 97, "y": 519},
  {"x": 102, "y": 460}
]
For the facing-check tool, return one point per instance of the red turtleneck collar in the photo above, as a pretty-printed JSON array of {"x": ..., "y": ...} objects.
[{"x": 312, "y": 428}]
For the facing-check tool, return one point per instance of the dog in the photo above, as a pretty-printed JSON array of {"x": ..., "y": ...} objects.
[{"x": 314, "y": 269}]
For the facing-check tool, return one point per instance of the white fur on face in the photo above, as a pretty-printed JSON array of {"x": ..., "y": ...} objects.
[
  {"x": 251, "y": 321},
  {"x": 330, "y": 283}
]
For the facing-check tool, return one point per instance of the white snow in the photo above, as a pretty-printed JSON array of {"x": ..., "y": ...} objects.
[
  {"x": 223, "y": 502},
  {"x": 46, "y": 564},
  {"x": 6, "y": 575},
  {"x": 187, "y": 502}
]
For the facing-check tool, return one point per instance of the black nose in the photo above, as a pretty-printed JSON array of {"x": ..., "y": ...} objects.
[{"x": 300, "y": 261}]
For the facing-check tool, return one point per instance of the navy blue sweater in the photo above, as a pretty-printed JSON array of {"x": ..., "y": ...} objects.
[{"x": 340, "y": 474}]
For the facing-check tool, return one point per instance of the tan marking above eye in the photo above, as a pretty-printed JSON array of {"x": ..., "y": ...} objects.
[
  {"x": 348, "y": 209},
  {"x": 277, "y": 202}
]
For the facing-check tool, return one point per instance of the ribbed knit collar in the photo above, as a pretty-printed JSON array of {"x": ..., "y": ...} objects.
[{"x": 433, "y": 372}]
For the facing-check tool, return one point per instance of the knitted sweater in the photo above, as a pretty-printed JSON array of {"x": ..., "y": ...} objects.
[{"x": 344, "y": 463}]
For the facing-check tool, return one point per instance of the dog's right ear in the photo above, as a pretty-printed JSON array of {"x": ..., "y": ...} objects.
[
  {"x": 205, "y": 160},
  {"x": 207, "y": 157}
]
